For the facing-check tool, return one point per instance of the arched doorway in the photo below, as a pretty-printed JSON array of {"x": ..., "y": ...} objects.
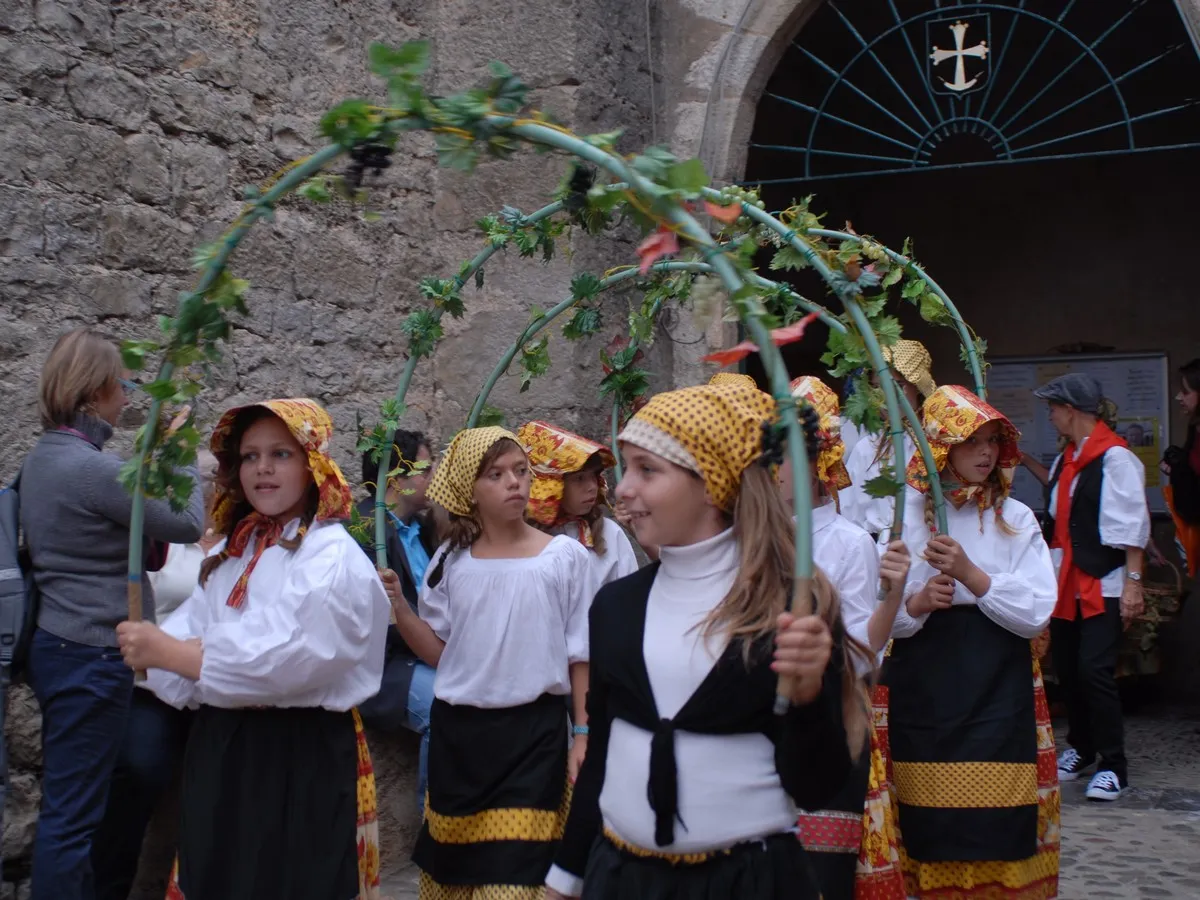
[{"x": 1043, "y": 154}]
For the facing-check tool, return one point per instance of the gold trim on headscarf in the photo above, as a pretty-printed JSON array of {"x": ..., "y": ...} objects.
[
  {"x": 912, "y": 360},
  {"x": 951, "y": 415},
  {"x": 718, "y": 427},
  {"x": 453, "y": 484},
  {"x": 312, "y": 428},
  {"x": 554, "y": 452},
  {"x": 831, "y": 464}
]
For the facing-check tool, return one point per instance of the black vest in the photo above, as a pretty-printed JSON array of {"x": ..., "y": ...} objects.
[{"x": 1089, "y": 555}]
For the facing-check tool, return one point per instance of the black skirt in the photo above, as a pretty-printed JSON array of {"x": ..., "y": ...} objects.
[
  {"x": 269, "y": 806},
  {"x": 775, "y": 868},
  {"x": 498, "y": 793},
  {"x": 837, "y": 833},
  {"x": 963, "y": 740}
]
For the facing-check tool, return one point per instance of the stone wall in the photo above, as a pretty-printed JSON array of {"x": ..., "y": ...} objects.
[{"x": 129, "y": 132}]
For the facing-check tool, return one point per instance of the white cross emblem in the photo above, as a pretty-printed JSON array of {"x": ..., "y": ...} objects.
[{"x": 959, "y": 55}]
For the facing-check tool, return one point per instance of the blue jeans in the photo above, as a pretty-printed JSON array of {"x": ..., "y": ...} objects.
[
  {"x": 150, "y": 758},
  {"x": 84, "y": 693},
  {"x": 420, "y": 701}
]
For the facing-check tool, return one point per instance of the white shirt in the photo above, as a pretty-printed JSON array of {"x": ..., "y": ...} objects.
[
  {"x": 872, "y": 514},
  {"x": 851, "y": 435},
  {"x": 847, "y": 556},
  {"x": 1124, "y": 515},
  {"x": 512, "y": 627},
  {"x": 175, "y": 581},
  {"x": 729, "y": 788},
  {"x": 1024, "y": 588},
  {"x": 310, "y": 632},
  {"x": 618, "y": 558}
]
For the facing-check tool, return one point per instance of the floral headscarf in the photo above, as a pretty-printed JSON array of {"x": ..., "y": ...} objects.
[
  {"x": 554, "y": 453},
  {"x": 714, "y": 430},
  {"x": 453, "y": 484},
  {"x": 831, "y": 464},
  {"x": 312, "y": 428},
  {"x": 951, "y": 415}
]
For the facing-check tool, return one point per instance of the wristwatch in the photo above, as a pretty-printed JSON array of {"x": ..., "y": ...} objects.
[{"x": 1134, "y": 576}]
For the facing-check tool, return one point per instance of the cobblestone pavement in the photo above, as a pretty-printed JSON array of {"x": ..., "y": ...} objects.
[{"x": 1143, "y": 847}]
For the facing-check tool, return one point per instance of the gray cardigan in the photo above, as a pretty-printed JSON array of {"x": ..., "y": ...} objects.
[{"x": 75, "y": 516}]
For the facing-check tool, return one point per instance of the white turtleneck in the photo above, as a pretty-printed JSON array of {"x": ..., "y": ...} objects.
[{"x": 729, "y": 788}]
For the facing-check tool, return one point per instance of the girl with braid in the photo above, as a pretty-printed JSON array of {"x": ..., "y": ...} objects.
[
  {"x": 968, "y": 730},
  {"x": 691, "y": 784},
  {"x": 279, "y": 644}
]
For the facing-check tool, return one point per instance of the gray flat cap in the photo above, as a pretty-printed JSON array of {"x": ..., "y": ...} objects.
[{"x": 1073, "y": 389}]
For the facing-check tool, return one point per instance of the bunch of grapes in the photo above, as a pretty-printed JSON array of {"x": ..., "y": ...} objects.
[{"x": 375, "y": 157}]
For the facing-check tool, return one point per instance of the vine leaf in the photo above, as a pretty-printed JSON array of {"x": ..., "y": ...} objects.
[
  {"x": 585, "y": 322},
  {"x": 885, "y": 484},
  {"x": 779, "y": 337},
  {"x": 663, "y": 242}
]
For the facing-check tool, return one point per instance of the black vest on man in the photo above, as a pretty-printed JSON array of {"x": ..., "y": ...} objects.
[{"x": 1089, "y": 555}]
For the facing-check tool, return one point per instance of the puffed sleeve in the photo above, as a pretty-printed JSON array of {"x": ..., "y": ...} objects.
[
  {"x": 1124, "y": 515},
  {"x": 433, "y": 606},
  {"x": 916, "y": 536},
  {"x": 186, "y": 621},
  {"x": 1022, "y": 598},
  {"x": 619, "y": 543},
  {"x": 329, "y": 617},
  {"x": 857, "y": 582},
  {"x": 579, "y": 582}
]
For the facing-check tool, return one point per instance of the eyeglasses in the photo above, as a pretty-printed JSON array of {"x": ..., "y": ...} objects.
[{"x": 130, "y": 387}]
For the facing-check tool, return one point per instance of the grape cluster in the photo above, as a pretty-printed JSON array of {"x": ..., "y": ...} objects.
[
  {"x": 578, "y": 184},
  {"x": 375, "y": 157},
  {"x": 743, "y": 195}
]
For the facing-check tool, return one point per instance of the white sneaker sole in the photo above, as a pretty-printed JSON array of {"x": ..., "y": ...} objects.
[
  {"x": 1071, "y": 776},
  {"x": 1102, "y": 794}
]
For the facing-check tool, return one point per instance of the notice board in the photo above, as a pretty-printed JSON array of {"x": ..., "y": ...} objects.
[{"x": 1138, "y": 383}]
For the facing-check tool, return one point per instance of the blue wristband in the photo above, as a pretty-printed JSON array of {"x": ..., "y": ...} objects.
[{"x": 580, "y": 731}]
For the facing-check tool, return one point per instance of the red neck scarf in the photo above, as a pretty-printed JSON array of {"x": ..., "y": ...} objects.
[
  {"x": 1072, "y": 582},
  {"x": 267, "y": 533}
]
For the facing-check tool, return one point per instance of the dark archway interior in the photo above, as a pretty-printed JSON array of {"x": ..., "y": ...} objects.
[{"x": 1089, "y": 249}]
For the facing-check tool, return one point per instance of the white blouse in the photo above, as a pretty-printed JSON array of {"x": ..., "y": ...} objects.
[
  {"x": 512, "y": 627},
  {"x": 618, "y": 558},
  {"x": 729, "y": 787},
  {"x": 1024, "y": 588},
  {"x": 847, "y": 556},
  {"x": 872, "y": 514},
  {"x": 175, "y": 581},
  {"x": 310, "y": 633},
  {"x": 1124, "y": 515}
]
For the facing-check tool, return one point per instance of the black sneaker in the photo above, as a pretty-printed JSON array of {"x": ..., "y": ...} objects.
[{"x": 1071, "y": 765}]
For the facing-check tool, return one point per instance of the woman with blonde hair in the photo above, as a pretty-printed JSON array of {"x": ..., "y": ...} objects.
[
  {"x": 691, "y": 785},
  {"x": 75, "y": 516},
  {"x": 910, "y": 363}
]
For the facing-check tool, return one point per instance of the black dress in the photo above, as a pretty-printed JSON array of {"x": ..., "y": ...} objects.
[{"x": 811, "y": 757}]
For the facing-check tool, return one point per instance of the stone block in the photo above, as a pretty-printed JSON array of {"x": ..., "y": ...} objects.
[
  {"x": 143, "y": 42},
  {"x": 107, "y": 94},
  {"x": 207, "y": 56},
  {"x": 140, "y": 237},
  {"x": 22, "y": 799},
  {"x": 337, "y": 266},
  {"x": 116, "y": 294},
  {"x": 71, "y": 231},
  {"x": 81, "y": 23},
  {"x": 38, "y": 144},
  {"x": 394, "y": 757},
  {"x": 147, "y": 173},
  {"x": 199, "y": 177},
  {"x": 182, "y": 104},
  {"x": 21, "y": 215},
  {"x": 32, "y": 70}
]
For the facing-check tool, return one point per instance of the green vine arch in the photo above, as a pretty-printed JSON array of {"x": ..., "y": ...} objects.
[{"x": 654, "y": 189}]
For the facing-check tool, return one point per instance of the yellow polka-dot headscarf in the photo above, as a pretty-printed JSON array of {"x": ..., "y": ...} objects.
[
  {"x": 733, "y": 378},
  {"x": 453, "y": 484},
  {"x": 912, "y": 360},
  {"x": 312, "y": 428},
  {"x": 831, "y": 464},
  {"x": 714, "y": 430}
]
